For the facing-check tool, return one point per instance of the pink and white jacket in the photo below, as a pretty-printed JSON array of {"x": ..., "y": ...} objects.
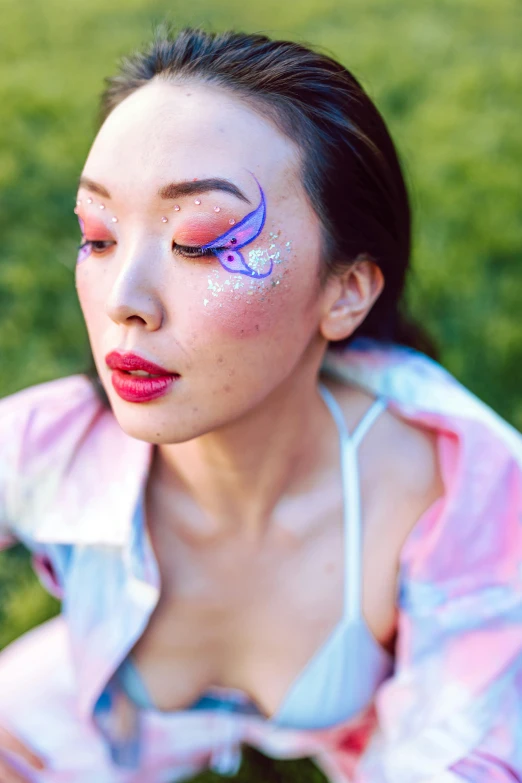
[{"x": 452, "y": 709}]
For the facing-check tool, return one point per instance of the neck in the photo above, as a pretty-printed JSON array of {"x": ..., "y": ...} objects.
[{"x": 233, "y": 478}]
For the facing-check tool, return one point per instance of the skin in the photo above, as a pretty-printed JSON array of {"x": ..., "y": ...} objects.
[{"x": 246, "y": 464}]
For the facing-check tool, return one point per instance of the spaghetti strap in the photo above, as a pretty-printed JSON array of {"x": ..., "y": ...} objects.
[
  {"x": 352, "y": 500},
  {"x": 367, "y": 420}
]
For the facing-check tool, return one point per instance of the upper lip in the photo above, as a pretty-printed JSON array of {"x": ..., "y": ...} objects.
[{"x": 117, "y": 360}]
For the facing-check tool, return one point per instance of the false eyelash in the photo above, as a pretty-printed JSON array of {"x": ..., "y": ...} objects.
[{"x": 188, "y": 251}]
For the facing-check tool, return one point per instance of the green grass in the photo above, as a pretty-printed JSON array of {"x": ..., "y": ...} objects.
[{"x": 444, "y": 74}]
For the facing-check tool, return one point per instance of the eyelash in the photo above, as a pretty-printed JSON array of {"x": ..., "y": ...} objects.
[
  {"x": 93, "y": 242},
  {"x": 187, "y": 251},
  {"x": 194, "y": 251}
]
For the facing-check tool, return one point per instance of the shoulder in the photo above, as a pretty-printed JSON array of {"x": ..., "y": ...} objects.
[
  {"x": 57, "y": 394},
  {"x": 36, "y": 419},
  {"x": 36, "y": 425},
  {"x": 68, "y": 472},
  {"x": 473, "y": 533},
  {"x": 399, "y": 465}
]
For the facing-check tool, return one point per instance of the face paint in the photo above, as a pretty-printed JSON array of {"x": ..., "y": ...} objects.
[
  {"x": 86, "y": 247},
  {"x": 227, "y": 246},
  {"x": 254, "y": 289},
  {"x": 84, "y": 250}
]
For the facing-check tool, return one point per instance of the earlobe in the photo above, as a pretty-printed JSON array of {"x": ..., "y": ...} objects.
[{"x": 352, "y": 295}]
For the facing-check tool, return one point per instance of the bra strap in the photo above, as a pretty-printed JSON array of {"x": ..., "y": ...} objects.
[{"x": 352, "y": 498}]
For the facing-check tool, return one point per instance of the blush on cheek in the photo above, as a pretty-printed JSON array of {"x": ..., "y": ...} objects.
[
  {"x": 240, "y": 306},
  {"x": 245, "y": 316}
]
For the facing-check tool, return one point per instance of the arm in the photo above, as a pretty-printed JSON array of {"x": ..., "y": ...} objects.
[{"x": 452, "y": 712}]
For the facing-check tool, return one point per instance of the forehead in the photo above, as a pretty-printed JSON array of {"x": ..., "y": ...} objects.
[{"x": 169, "y": 130}]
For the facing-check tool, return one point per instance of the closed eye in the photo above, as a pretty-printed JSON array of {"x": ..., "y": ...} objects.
[
  {"x": 96, "y": 245},
  {"x": 193, "y": 251}
]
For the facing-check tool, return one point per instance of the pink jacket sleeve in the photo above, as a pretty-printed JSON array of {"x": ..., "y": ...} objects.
[
  {"x": 11, "y": 436},
  {"x": 452, "y": 711}
]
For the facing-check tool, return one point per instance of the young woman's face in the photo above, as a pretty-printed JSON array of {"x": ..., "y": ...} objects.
[{"x": 175, "y": 168}]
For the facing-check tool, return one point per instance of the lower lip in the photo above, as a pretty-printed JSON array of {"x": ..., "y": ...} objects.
[{"x": 139, "y": 388}]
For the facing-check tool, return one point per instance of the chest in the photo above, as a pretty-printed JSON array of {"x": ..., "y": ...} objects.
[{"x": 250, "y": 616}]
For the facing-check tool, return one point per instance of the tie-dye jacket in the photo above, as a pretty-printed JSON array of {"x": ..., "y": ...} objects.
[{"x": 452, "y": 708}]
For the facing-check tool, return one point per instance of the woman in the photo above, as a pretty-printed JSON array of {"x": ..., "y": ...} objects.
[{"x": 273, "y": 519}]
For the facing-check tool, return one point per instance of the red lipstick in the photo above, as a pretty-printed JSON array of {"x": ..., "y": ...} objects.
[{"x": 138, "y": 388}]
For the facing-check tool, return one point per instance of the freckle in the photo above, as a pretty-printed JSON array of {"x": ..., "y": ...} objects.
[
  {"x": 226, "y": 388},
  {"x": 195, "y": 410},
  {"x": 220, "y": 360},
  {"x": 257, "y": 327},
  {"x": 329, "y": 567}
]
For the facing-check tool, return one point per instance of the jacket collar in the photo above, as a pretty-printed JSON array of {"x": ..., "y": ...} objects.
[{"x": 89, "y": 493}]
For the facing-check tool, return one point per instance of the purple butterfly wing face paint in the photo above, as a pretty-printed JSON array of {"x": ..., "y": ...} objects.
[
  {"x": 85, "y": 249},
  {"x": 227, "y": 246}
]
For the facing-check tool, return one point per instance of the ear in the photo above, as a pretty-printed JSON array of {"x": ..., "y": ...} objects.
[{"x": 349, "y": 297}]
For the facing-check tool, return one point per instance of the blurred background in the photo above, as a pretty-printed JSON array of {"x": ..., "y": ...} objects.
[{"x": 445, "y": 74}]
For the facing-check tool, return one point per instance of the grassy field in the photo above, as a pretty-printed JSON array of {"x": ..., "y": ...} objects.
[{"x": 444, "y": 74}]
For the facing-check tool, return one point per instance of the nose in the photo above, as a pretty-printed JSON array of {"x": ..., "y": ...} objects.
[{"x": 135, "y": 292}]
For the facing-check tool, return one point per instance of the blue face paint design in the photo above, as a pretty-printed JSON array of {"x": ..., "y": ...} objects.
[
  {"x": 84, "y": 250},
  {"x": 227, "y": 246}
]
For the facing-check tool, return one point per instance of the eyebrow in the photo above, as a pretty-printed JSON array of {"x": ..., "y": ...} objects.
[
  {"x": 177, "y": 189},
  {"x": 191, "y": 187},
  {"x": 89, "y": 184}
]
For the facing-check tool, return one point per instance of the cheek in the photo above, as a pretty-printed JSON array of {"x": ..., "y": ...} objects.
[
  {"x": 239, "y": 306},
  {"x": 236, "y": 307},
  {"x": 90, "y": 297},
  {"x": 244, "y": 318}
]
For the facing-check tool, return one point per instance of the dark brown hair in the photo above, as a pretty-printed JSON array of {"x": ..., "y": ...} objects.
[{"x": 350, "y": 167}]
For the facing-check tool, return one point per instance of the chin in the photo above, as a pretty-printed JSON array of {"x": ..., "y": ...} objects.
[{"x": 155, "y": 426}]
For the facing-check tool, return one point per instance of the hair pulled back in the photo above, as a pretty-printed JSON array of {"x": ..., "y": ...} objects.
[{"x": 350, "y": 167}]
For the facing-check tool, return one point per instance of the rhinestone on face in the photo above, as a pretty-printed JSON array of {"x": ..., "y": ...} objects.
[
  {"x": 231, "y": 221},
  {"x": 114, "y": 219},
  {"x": 89, "y": 200},
  {"x": 217, "y": 209},
  {"x": 102, "y": 206},
  {"x": 176, "y": 207},
  {"x": 197, "y": 201},
  {"x": 164, "y": 219}
]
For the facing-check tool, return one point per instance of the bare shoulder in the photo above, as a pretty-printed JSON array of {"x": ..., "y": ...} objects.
[{"x": 399, "y": 465}]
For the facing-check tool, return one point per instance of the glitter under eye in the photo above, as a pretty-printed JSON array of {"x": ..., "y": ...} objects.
[{"x": 259, "y": 288}]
